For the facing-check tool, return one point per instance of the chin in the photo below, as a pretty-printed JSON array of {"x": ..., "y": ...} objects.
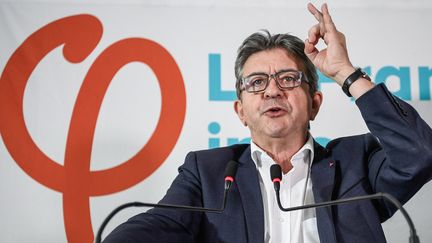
[{"x": 277, "y": 132}]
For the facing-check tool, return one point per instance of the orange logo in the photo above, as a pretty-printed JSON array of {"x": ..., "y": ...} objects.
[{"x": 80, "y": 34}]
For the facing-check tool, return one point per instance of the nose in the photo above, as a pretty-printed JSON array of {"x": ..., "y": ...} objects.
[{"x": 273, "y": 90}]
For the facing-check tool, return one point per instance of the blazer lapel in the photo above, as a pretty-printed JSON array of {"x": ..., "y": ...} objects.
[
  {"x": 250, "y": 194},
  {"x": 323, "y": 178}
]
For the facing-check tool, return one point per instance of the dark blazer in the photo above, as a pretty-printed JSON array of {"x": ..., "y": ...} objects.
[{"x": 396, "y": 159}]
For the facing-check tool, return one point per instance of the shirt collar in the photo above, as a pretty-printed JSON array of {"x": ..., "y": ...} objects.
[{"x": 261, "y": 157}]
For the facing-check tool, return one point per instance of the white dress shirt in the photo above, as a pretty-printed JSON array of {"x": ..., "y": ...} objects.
[{"x": 296, "y": 189}]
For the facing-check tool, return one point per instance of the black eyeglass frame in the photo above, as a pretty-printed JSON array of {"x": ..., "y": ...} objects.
[{"x": 276, "y": 77}]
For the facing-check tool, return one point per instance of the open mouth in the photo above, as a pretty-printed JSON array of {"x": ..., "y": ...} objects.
[{"x": 275, "y": 111}]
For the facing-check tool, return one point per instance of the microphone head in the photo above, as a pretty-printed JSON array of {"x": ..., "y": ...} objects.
[
  {"x": 230, "y": 170},
  {"x": 275, "y": 173}
]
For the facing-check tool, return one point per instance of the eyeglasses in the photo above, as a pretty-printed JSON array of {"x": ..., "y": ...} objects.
[{"x": 285, "y": 79}]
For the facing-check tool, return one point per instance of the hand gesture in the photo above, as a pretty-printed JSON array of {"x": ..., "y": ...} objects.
[{"x": 332, "y": 61}]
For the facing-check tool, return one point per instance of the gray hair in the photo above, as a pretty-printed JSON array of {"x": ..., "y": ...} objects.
[{"x": 261, "y": 41}]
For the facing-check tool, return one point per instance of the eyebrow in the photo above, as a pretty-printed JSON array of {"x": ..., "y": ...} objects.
[
  {"x": 256, "y": 73},
  {"x": 280, "y": 71}
]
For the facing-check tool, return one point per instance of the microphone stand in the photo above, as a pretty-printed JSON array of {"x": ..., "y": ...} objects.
[
  {"x": 380, "y": 195},
  {"x": 276, "y": 176},
  {"x": 230, "y": 171},
  {"x": 167, "y": 206}
]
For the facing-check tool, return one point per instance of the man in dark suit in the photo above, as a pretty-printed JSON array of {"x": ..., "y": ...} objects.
[{"x": 277, "y": 98}]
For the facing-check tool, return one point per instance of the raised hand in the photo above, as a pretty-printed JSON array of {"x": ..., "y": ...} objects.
[{"x": 332, "y": 61}]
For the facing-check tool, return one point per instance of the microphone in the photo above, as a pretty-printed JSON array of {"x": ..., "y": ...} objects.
[
  {"x": 229, "y": 174},
  {"x": 276, "y": 177}
]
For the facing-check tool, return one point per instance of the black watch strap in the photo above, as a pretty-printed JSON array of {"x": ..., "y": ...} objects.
[{"x": 358, "y": 73}]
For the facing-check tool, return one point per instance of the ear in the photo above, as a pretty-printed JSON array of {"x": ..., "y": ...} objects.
[
  {"x": 238, "y": 108},
  {"x": 317, "y": 99}
]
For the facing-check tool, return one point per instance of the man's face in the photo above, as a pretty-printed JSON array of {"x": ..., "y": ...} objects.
[{"x": 276, "y": 113}]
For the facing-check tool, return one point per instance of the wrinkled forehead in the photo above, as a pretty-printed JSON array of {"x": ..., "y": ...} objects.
[{"x": 270, "y": 61}]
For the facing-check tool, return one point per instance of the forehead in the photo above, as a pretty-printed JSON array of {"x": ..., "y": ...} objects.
[{"x": 270, "y": 61}]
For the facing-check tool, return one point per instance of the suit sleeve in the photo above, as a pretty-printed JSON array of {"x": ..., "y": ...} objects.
[
  {"x": 402, "y": 162},
  {"x": 167, "y": 225}
]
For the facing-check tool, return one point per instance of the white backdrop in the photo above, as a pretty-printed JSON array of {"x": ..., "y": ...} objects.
[{"x": 392, "y": 42}]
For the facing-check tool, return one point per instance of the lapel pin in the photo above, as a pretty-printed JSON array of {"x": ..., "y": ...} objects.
[{"x": 331, "y": 163}]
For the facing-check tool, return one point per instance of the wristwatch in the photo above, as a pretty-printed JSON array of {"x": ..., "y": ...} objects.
[{"x": 358, "y": 73}]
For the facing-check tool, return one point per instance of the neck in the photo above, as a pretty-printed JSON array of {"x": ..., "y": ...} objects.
[{"x": 281, "y": 150}]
